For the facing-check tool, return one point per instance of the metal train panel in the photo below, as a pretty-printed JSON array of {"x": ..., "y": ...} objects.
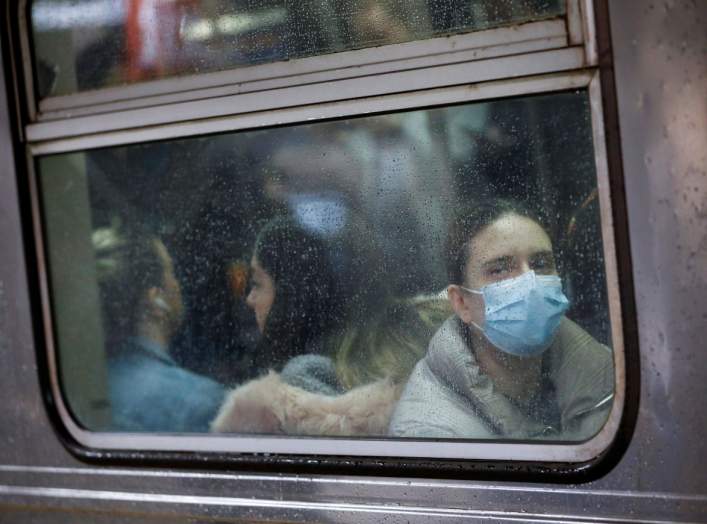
[{"x": 658, "y": 67}]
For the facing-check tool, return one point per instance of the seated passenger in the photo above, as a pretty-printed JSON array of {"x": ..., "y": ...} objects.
[
  {"x": 349, "y": 352},
  {"x": 293, "y": 296},
  {"x": 142, "y": 309},
  {"x": 508, "y": 364}
]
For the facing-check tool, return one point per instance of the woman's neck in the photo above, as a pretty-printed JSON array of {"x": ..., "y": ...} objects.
[
  {"x": 515, "y": 377},
  {"x": 154, "y": 333}
]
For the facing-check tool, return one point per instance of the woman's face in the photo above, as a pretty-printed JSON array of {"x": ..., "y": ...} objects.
[
  {"x": 262, "y": 293},
  {"x": 507, "y": 248},
  {"x": 170, "y": 291}
]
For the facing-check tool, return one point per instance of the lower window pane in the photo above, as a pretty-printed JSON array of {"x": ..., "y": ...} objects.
[{"x": 434, "y": 273}]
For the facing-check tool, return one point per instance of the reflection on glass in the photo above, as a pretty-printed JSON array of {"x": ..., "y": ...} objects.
[
  {"x": 87, "y": 44},
  {"x": 432, "y": 273}
]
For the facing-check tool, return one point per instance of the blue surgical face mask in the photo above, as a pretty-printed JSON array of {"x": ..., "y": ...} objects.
[{"x": 523, "y": 313}]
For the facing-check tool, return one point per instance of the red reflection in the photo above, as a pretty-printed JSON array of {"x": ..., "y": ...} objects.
[{"x": 153, "y": 39}]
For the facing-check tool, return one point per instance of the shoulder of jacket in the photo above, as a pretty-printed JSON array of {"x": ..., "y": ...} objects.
[{"x": 573, "y": 342}]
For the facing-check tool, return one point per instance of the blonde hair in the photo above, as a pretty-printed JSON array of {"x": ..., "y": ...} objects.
[{"x": 387, "y": 346}]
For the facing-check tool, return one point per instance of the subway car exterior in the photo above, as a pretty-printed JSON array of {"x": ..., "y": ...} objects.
[{"x": 198, "y": 116}]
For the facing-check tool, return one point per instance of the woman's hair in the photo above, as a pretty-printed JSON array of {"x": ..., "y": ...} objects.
[
  {"x": 388, "y": 344},
  {"x": 384, "y": 336},
  {"x": 332, "y": 296},
  {"x": 468, "y": 222},
  {"x": 127, "y": 265},
  {"x": 306, "y": 305}
]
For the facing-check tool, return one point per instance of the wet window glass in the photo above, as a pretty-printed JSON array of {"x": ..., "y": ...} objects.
[
  {"x": 88, "y": 44},
  {"x": 433, "y": 273}
]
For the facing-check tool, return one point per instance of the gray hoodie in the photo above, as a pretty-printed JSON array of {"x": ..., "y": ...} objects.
[{"x": 449, "y": 396}]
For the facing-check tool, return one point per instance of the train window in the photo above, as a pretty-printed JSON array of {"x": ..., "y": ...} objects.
[
  {"x": 428, "y": 273},
  {"x": 88, "y": 44},
  {"x": 246, "y": 246}
]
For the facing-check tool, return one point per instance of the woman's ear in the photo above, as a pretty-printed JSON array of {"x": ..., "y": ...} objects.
[
  {"x": 155, "y": 304},
  {"x": 460, "y": 303}
]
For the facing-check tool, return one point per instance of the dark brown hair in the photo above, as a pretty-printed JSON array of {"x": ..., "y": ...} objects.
[
  {"x": 305, "y": 308},
  {"x": 468, "y": 221}
]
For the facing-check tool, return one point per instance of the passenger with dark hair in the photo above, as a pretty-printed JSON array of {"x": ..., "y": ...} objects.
[
  {"x": 508, "y": 364},
  {"x": 142, "y": 310},
  {"x": 339, "y": 345},
  {"x": 295, "y": 298}
]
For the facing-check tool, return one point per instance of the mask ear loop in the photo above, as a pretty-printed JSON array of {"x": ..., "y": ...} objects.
[
  {"x": 162, "y": 304},
  {"x": 475, "y": 292}
]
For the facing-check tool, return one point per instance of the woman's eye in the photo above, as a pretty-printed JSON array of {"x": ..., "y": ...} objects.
[
  {"x": 498, "y": 270},
  {"x": 544, "y": 264}
]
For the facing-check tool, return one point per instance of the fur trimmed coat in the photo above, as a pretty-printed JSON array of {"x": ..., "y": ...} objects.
[{"x": 271, "y": 405}]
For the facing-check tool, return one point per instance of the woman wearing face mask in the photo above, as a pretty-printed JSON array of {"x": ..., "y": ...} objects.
[{"x": 508, "y": 364}]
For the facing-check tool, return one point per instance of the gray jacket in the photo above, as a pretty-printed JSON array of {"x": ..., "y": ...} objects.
[{"x": 448, "y": 396}]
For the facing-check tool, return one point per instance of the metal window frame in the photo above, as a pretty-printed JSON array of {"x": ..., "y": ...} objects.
[
  {"x": 575, "y": 31},
  {"x": 336, "y": 103},
  {"x": 542, "y": 452},
  {"x": 25, "y": 52},
  {"x": 429, "y": 77}
]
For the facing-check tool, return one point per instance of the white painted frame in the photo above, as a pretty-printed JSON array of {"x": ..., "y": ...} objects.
[{"x": 429, "y": 77}]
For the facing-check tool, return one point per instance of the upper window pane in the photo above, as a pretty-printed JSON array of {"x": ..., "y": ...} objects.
[
  {"x": 89, "y": 44},
  {"x": 432, "y": 273}
]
